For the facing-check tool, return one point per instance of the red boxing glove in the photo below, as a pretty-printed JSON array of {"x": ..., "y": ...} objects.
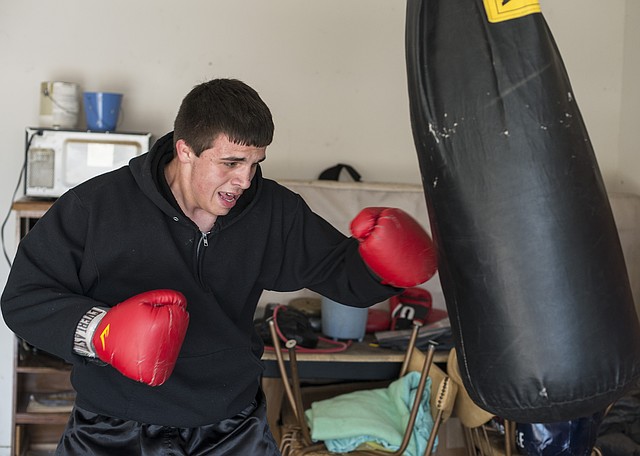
[
  {"x": 142, "y": 336},
  {"x": 394, "y": 246}
]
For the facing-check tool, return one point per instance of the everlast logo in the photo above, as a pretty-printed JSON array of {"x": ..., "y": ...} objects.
[
  {"x": 84, "y": 331},
  {"x": 104, "y": 335},
  {"x": 503, "y": 10}
]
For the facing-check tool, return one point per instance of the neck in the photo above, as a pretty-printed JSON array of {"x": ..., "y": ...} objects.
[{"x": 204, "y": 220}]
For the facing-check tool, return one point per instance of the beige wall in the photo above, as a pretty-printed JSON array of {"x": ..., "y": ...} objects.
[
  {"x": 332, "y": 71},
  {"x": 590, "y": 36},
  {"x": 629, "y": 163}
]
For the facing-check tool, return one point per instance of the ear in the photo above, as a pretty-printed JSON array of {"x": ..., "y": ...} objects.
[{"x": 184, "y": 152}]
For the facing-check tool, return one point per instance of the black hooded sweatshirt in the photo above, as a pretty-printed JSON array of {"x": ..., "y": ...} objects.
[{"x": 122, "y": 233}]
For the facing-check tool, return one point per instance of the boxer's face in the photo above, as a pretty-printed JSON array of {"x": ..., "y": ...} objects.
[{"x": 217, "y": 178}]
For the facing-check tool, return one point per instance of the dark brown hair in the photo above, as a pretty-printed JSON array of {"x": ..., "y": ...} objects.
[{"x": 223, "y": 106}]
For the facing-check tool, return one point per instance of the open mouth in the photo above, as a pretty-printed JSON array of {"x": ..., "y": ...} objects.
[{"x": 228, "y": 197}]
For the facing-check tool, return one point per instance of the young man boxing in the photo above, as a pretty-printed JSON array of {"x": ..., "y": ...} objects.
[{"x": 146, "y": 280}]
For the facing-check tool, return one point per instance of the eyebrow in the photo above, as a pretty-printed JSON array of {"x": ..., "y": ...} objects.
[{"x": 240, "y": 159}]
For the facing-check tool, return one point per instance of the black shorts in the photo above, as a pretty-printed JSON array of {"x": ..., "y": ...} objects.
[{"x": 247, "y": 433}]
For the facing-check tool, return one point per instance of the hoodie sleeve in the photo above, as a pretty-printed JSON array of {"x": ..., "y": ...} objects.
[
  {"x": 43, "y": 299},
  {"x": 317, "y": 256}
]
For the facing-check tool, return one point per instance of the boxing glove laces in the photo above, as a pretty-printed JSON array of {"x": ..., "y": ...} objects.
[{"x": 140, "y": 337}]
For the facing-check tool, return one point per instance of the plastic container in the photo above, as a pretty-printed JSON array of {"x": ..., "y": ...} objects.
[
  {"x": 343, "y": 322},
  {"x": 59, "y": 104},
  {"x": 102, "y": 110}
]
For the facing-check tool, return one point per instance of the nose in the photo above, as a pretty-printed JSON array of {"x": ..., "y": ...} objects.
[{"x": 243, "y": 177}]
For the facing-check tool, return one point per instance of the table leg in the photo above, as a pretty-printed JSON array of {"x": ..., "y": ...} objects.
[{"x": 274, "y": 393}]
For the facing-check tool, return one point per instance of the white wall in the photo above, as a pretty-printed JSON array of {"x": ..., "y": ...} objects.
[{"x": 332, "y": 71}]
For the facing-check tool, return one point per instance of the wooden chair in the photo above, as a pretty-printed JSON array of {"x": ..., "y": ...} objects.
[
  {"x": 296, "y": 438},
  {"x": 481, "y": 438}
]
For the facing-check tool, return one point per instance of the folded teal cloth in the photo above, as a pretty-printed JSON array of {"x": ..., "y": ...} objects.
[{"x": 378, "y": 415}]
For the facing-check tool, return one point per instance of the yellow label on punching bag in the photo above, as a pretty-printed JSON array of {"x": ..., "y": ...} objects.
[{"x": 503, "y": 10}]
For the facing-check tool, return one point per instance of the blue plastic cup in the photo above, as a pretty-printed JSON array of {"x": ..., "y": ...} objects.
[
  {"x": 343, "y": 322},
  {"x": 102, "y": 110}
]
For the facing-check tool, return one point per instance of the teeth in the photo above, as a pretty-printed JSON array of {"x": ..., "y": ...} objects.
[{"x": 228, "y": 196}]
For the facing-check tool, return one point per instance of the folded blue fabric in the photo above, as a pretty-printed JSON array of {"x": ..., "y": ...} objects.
[{"x": 378, "y": 415}]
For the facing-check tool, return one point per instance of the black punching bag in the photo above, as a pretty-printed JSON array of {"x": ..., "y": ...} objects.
[{"x": 530, "y": 260}]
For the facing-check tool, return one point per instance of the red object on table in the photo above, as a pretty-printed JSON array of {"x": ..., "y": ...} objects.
[{"x": 378, "y": 320}]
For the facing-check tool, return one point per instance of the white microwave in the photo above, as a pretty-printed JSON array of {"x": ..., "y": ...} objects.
[{"x": 57, "y": 160}]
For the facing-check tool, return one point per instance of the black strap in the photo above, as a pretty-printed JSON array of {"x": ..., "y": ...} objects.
[{"x": 333, "y": 173}]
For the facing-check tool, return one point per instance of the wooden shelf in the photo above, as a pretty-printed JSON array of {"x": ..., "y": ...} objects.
[
  {"x": 39, "y": 362},
  {"x": 32, "y": 204},
  {"x": 41, "y": 418},
  {"x": 33, "y": 381},
  {"x": 35, "y": 371}
]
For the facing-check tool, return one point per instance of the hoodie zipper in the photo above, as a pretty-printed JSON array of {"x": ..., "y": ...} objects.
[{"x": 204, "y": 242}]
